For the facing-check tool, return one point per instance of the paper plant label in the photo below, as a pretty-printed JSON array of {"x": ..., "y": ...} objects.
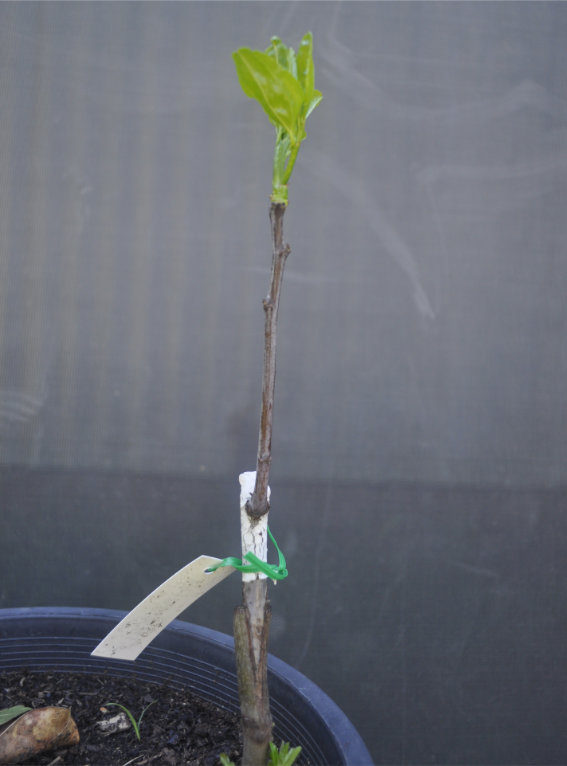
[{"x": 156, "y": 611}]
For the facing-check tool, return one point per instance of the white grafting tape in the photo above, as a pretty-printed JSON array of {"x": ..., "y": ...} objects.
[{"x": 254, "y": 533}]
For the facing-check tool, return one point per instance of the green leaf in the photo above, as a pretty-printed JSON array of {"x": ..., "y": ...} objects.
[
  {"x": 284, "y": 756},
  {"x": 9, "y": 713},
  {"x": 283, "y": 55},
  {"x": 315, "y": 101},
  {"x": 276, "y": 90},
  {"x": 305, "y": 68},
  {"x": 143, "y": 711},
  {"x": 225, "y": 760}
]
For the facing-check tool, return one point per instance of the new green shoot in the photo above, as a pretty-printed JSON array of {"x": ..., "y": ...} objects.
[
  {"x": 135, "y": 723},
  {"x": 282, "y": 757},
  {"x": 283, "y": 83}
]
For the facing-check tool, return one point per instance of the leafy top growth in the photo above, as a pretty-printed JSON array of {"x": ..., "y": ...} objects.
[{"x": 283, "y": 83}]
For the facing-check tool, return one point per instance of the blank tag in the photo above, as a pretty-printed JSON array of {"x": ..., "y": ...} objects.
[{"x": 156, "y": 611}]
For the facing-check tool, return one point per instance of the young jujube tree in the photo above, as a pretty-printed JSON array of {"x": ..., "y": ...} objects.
[{"x": 283, "y": 83}]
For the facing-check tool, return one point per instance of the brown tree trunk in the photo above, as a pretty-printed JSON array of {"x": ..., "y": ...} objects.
[
  {"x": 252, "y": 618},
  {"x": 251, "y": 629}
]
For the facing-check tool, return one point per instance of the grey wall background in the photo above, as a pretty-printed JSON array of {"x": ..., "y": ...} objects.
[{"x": 422, "y": 352}]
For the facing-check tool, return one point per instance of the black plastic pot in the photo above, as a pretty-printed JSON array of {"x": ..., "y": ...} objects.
[{"x": 185, "y": 655}]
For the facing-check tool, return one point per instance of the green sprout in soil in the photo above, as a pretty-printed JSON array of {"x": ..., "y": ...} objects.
[
  {"x": 282, "y": 757},
  {"x": 135, "y": 723}
]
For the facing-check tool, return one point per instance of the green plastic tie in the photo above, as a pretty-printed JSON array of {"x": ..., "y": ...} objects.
[{"x": 273, "y": 571}]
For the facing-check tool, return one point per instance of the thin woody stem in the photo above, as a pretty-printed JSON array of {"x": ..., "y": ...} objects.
[
  {"x": 252, "y": 618},
  {"x": 258, "y": 503}
]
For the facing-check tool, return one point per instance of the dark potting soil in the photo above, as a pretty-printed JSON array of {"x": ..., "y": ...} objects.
[{"x": 177, "y": 728}]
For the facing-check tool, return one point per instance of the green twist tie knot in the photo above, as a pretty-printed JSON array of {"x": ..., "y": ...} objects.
[{"x": 273, "y": 571}]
